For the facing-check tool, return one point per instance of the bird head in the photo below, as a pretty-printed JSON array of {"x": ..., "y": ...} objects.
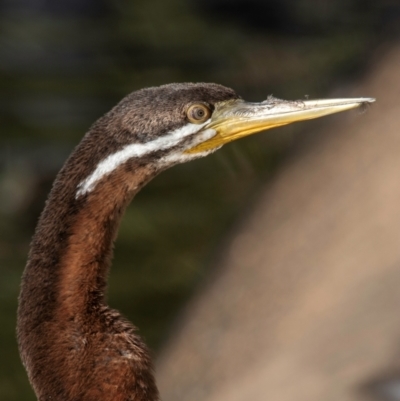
[{"x": 175, "y": 123}]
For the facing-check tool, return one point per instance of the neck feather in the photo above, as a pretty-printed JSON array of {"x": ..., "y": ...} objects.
[
  {"x": 72, "y": 246},
  {"x": 63, "y": 286}
]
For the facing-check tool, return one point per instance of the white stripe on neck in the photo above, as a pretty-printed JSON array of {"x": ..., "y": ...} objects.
[{"x": 111, "y": 162}]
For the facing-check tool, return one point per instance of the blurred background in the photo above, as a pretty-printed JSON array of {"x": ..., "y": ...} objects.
[{"x": 63, "y": 64}]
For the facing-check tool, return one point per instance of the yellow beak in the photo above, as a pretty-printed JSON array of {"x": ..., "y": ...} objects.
[{"x": 236, "y": 118}]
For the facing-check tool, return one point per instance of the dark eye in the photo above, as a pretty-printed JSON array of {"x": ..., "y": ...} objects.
[{"x": 198, "y": 113}]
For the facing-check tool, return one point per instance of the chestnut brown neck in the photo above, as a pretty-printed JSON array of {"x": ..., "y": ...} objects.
[
  {"x": 72, "y": 246},
  {"x": 62, "y": 296}
]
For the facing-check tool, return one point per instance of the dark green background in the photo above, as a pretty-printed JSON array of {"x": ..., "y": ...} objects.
[{"x": 64, "y": 63}]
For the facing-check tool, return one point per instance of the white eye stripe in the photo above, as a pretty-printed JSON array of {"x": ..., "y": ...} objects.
[
  {"x": 180, "y": 157},
  {"x": 111, "y": 162}
]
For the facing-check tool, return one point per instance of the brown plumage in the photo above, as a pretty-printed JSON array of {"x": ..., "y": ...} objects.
[{"x": 73, "y": 346}]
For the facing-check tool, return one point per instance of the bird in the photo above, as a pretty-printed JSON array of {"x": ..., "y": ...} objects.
[{"x": 73, "y": 346}]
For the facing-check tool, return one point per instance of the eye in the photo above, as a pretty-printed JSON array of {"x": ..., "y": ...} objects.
[{"x": 198, "y": 113}]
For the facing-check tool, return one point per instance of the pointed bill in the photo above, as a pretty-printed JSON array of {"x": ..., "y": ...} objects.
[{"x": 235, "y": 119}]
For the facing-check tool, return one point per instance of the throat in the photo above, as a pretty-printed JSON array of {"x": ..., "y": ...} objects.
[
  {"x": 84, "y": 265},
  {"x": 71, "y": 251},
  {"x": 67, "y": 335}
]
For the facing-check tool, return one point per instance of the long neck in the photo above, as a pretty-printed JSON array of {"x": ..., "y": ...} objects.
[
  {"x": 64, "y": 283},
  {"x": 72, "y": 246}
]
